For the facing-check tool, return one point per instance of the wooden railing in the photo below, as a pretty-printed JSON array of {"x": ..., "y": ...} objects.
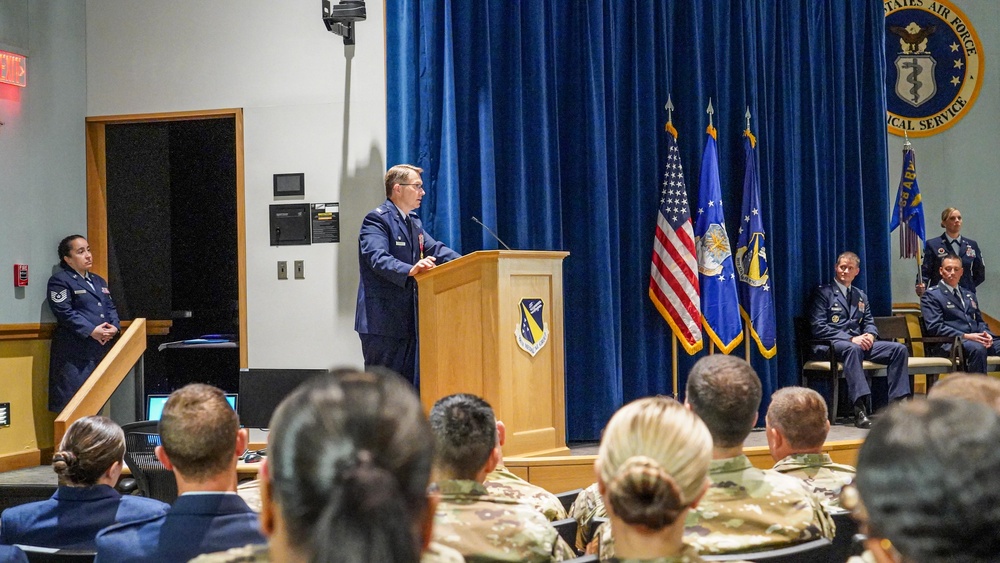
[{"x": 108, "y": 374}]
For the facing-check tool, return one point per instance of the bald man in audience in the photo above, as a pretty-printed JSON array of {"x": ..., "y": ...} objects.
[
  {"x": 797, "y": 426},
  {"x": 468, "y": 518},
  {"x": 201, "y": 440},
  {"x": 745, "y": 509},
  {"x": 973, "y": 387},
  {"x": 502, "y": 483}
]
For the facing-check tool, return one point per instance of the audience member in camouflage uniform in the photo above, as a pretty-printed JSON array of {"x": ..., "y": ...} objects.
[
  {"x": 928, "y": 479},
  {"x": 435, "y": 553},
  {"x": 502, "y": 483},
  {"x": 651, "y": 472},
  {"x": 349, "y": 461},
  {"x": 482, "y": 527},
  {"x": 587, "y": 506},
  {"x": 797, "y": 427},
  {"x": 745, "y": 509}
]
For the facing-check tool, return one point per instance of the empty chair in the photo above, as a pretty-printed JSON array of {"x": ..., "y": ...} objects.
[{"x": 154, "y": 480}]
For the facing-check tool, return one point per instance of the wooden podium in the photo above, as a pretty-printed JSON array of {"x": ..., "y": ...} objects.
[{"x": 471, "y": 314}]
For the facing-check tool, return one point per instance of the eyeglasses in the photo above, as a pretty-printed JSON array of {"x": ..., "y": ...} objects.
[{"x": 419, "y": 186}]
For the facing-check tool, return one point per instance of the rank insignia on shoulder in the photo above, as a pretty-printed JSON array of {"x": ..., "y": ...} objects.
[
  {"x": 58, "y": 296},
  {"x": 381, "y": 210}
]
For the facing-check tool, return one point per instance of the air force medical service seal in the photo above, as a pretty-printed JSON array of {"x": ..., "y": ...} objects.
[
  {"x": 531, "y": 332},
  {"x": 934, "y": 66}
]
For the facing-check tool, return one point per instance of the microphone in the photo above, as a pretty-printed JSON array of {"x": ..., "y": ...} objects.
[{"x": 490, "y": 231}]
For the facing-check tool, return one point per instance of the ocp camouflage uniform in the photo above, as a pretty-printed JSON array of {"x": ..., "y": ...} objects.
[
  {"x": 587, "y": 506},
  {"x": 819, "y": 473},
  {"x": 439, "y": 553},
  {"x": 486, "y": 528},
  {"x": 435, "y": 553},
  {"x": 746, "y": 509},
  {"x": 688, "y": 555},
  {"x": 503, "y": 484}
]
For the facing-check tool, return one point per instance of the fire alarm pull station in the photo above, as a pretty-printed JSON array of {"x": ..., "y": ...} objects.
[{"x": 20, "y": 275}]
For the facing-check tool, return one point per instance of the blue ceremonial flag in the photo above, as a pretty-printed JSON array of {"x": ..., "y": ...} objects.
[
  {"x": 908, "y": 209},
  {"x": 719, "y": 306},
  {"x": 756, "y": 301}
]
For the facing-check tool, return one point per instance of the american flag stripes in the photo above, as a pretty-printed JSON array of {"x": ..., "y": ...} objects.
[{"x": 673, "y": 276}]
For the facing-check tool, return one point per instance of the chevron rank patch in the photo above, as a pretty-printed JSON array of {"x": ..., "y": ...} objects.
[{"x": 58, "y": 296}]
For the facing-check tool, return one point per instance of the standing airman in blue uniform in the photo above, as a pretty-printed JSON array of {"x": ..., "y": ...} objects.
[
  {"x": 393, "y": 247},
  {"x": 951, "y": 243},
  {"x": 87, "y": 321}
]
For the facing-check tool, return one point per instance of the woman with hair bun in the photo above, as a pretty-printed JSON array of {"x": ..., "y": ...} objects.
[
  {"x": 345, "y": 479},
  {"x": 652, "y": 469},
  {"x": 88, "y": 463},
  {"x": 951, "y": 243}
]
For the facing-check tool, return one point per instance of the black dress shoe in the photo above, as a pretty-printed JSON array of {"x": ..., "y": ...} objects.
[{"x": 861, "y": 418}]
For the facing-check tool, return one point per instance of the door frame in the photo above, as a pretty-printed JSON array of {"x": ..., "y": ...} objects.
[{"x": 97, "y": 194}]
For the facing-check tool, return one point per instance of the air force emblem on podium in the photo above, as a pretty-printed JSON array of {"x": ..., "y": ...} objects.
[{"x": 531, "y": 332}]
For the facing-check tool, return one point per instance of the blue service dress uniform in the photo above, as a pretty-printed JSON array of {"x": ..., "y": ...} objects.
[
  {"x": 73, "y": 516},
  {"x": 79, "y": 307},
  {"x": 947, "y": 315},
  {"x": 834, "y": 316},
  {"x": 386, "y": 318},
  {"x": 974, "y": 269},
  {"x": 197, "y": 523}
]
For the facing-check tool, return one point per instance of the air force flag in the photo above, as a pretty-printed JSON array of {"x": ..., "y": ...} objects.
[{"x": 719, "y": 305}]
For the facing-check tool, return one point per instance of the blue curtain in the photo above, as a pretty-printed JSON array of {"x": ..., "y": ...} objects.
[{"x": 545, "y": 119}]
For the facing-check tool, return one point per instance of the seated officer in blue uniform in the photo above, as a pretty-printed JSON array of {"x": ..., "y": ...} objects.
[
  {"x": 393, "y": 248},
  {"x": 88, "y": 463},
  {"x": 952, "y": 310},
  {"x": 87, "y": 321},
  {"x": 951, "y": 243},
  {"x": 201, "y": 440},
  {"x": 841, "y": 313}
]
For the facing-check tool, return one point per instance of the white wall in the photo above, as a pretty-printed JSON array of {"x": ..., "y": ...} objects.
[
  {"x": 960, "y": 167},
  {"x": 310, "y": 105},
  {"x": 42, "y": 166}
]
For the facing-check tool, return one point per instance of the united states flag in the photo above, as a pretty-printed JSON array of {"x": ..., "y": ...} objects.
[{"x": 673, "y": 276}]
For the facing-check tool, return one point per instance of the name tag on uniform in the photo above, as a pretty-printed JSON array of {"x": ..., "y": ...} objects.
[
  {"x": 79, "y": 291},
  {"x": 400, "y": 243}
]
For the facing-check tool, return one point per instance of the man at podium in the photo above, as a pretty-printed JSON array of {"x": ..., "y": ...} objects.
[{"x": 393, "y": 248}]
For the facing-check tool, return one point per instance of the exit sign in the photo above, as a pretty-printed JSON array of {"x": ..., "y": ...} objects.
[{"x": 13, "y": 69}]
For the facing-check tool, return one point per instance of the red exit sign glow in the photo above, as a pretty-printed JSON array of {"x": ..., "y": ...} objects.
[{"x": 13, "y": 69}]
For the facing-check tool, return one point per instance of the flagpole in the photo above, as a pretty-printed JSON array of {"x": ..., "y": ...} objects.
[
  {"x": 746, "y": 323},
  {"x": 673, "y": 341},
  {"x": 746, "y": 341},
  {"x": 920, "y": 274}
]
